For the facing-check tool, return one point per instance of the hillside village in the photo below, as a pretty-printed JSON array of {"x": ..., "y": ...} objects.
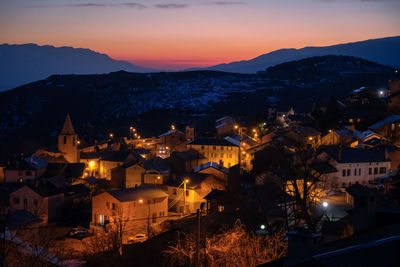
[{"x": 328, "y": 179}]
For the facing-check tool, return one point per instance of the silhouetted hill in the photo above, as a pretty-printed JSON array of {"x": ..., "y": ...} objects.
[
  {"x": 103, "y": 103},
  {"x": 384, "y": 51},
  {"x": 20, "y": 64}
]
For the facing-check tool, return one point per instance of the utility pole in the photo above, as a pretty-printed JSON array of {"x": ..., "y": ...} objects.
[
  {"x": 148, "y": 219},
  {"x": 198, "y": 239},
  {"x": 184, "y": 197}
]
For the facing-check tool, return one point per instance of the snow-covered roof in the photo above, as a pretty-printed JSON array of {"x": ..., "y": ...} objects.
[
  {"x": 232, "y": 140},
  {"x": 36, "y": 163},
  {"x": 211, "y": 165},
  {"x": 390, "y": 119},
  {"x": 221, "y": 124},
  {"x": 222, "y": 119}
]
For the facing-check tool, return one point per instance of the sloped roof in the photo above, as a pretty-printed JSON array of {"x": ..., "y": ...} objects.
[
  {"x": 132, "y": 194},
  {"x": 36, "y": 163},
  {"x": 67, "y": 127},
  {"x": 215, "y": 193},
  {"x": 389, "y": 119},
  {"x": 211, "y": 165},
  {"x": 211, "y": 142},
  {"x": 157, "y": 164},
  {"x": 306, "y": 131},
  {"x": 171, "y": 132},
  {"x": 44, "y": 189},
  {"x": 323, "y": 167},
  {"x": 358, "y": 155},
  {"x": 236, "y": 138},
  {"x": 188, "y": 155}
]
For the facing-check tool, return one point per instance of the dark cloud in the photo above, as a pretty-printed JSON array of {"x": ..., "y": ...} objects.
[
  {"x": 128, "y": 4},
  {"x": 86, "y": 5},
  {"x": 141, "y": 6},
  {"x": 226, "y": 3},
  {"x": 170, "y": 6},
  {"x": 133, "y": 5}
]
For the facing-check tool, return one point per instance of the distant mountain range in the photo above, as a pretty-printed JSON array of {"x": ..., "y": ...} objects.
[
  {"x": 25, "y": 63},
  {"x": 385, "y": 51}
]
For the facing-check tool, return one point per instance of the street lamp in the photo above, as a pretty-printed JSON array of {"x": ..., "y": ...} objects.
[
  {"x": 262, "y": 226},
  {"x": 184, "y": 195},
  {"x": 325, "y": 206},
  {"x": 111, "y": 135},
  {"x": 157, "y": 178}
]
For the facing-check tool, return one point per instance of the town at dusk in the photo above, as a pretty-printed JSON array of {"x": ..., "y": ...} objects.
[{"x": 199, "y": 133}]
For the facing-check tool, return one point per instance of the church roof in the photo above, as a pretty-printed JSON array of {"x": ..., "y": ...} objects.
[{"x": 67, "y": 128}]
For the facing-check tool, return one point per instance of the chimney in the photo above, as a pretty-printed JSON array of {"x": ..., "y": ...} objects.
[{"x": 302, "y": 244}]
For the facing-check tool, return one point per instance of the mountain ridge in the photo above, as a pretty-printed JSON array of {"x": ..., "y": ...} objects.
[
  {"x": 385, "y": 50},
  {"x": 25, "y": 63}
]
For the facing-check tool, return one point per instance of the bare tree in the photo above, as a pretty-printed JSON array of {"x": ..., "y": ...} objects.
[
  {"x": 233, "y": 247},
  {"x": 304, "y": 184}
]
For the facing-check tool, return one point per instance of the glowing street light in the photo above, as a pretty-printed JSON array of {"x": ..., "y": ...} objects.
[
  {"x": 91, "y": 165},
  {"x": 172, "y": 127},
  {"x": 140, "y": 200},
  {"x": 111, "y": 135},
  {"x": 325, "y": 204},
  {"x": 262, "y": 226}
]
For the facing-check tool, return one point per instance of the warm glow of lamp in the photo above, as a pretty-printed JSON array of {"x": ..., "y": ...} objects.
[
  {"x": 172, "y": 127},
  {"x": 236, "y": 126},
  {"x": 310, "y": 138},
  {"x": 186, "y": 181},
  {"x": 325, "y": 204},
  {"x": 91, "y": 164},
  {"x": 140, "y": 200},
  {"x": 111, "y": 135}
]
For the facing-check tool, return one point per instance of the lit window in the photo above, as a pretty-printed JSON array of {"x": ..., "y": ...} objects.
[{"x": 220, "y": 208}]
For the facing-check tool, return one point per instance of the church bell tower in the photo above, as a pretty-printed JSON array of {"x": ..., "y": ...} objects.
[{"x": 68, "y": 142}]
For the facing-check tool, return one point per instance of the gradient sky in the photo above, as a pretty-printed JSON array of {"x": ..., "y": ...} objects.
[{"x": 176, "y": 34}]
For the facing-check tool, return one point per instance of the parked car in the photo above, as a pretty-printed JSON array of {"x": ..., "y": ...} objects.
[
  {"x": 78, "y": 233},
  {"x": 137, "y": 238}
]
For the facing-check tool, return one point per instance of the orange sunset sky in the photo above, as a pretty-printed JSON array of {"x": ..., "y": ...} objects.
[{"x": 181, "y": 34}]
